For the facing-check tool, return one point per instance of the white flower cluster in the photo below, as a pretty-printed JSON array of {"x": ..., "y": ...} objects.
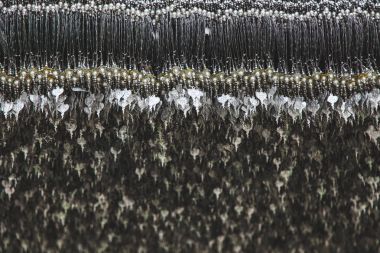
[{"x": 184, "y": 100}]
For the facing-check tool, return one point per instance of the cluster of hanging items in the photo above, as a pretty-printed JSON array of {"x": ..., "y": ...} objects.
[{"x": 189, "y": 125}]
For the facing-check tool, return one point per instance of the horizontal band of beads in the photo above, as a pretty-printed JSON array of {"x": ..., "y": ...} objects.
[
  {"x": 292, "y": 11},
  {"x": 238, "y": 81}
]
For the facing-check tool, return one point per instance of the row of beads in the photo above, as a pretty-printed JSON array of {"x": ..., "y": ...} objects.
[
  {"x": 240, "y": 80},
  {"x": 213, "y": 11}
]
